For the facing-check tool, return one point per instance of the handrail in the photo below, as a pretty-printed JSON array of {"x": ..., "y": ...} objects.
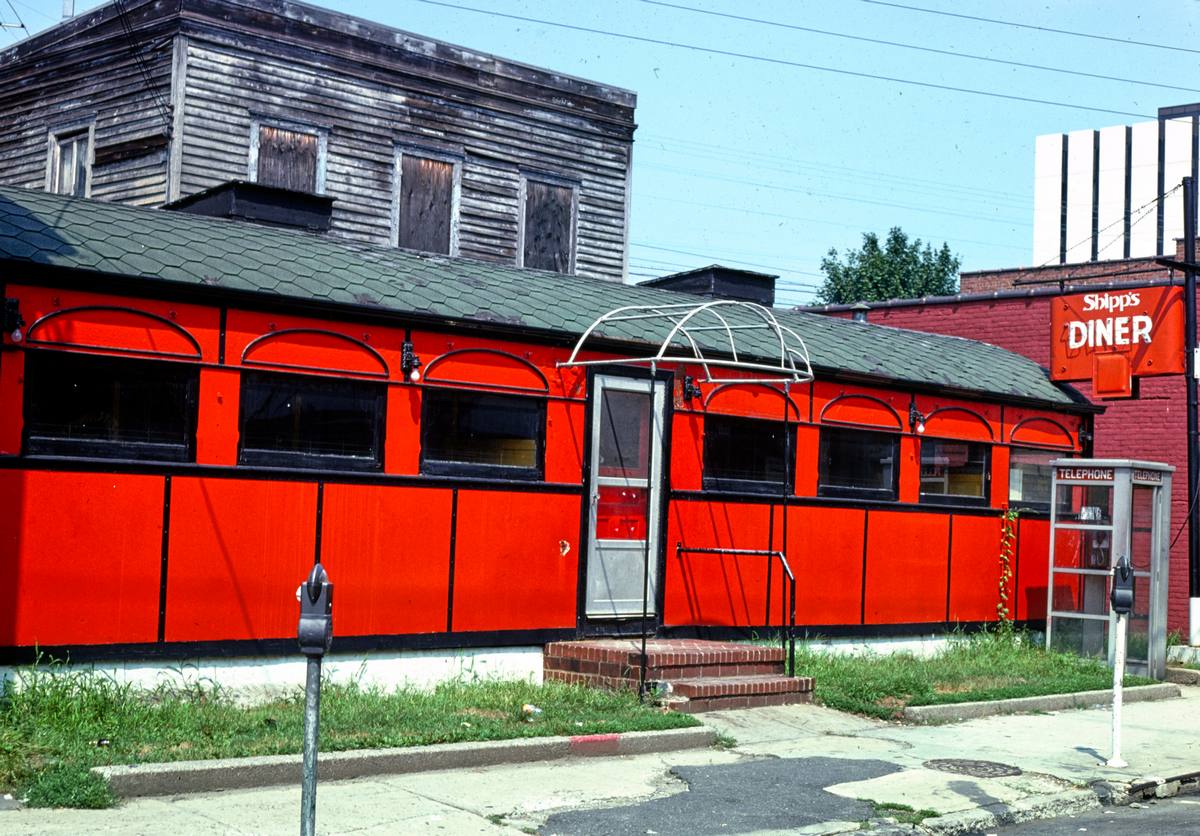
[{"x": 789, "y": 636}]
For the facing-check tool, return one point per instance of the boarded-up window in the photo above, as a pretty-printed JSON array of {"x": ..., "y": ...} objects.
[
  {"x": 548, "y": 221},
  {"x": 426, "y": 204},
  {"x": 287, "y": 159}
]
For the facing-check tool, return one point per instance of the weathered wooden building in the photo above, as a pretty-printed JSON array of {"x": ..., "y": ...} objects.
[{"x": 420, "y": 144}]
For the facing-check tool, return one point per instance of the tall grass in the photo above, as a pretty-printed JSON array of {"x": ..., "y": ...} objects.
[{"x": 56, "y": 722}]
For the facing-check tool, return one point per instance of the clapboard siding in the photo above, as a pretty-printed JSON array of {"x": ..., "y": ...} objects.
[
  {"x": 366, "y": 119},
  {"x": 368, "y": 89},
  {"x": 88, "y": 75}
]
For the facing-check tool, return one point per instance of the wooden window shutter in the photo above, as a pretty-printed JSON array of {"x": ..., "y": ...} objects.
[
  {"x": 426, "y": 198},
  {"x": 287, "y": 159},
  {"x": 547, "y": 244}
]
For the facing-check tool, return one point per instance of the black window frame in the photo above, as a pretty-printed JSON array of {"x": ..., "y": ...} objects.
[
  {"x": 891, "y": 494},
  {"x": 431, "y": 466},
  {"x": 120, "y": 449},
  {"x": 308, "y": 460},
  {"x": 956, "y": 499},
  {"x": 1034, "y": 506},
  {"x": 711, "y": 481}
]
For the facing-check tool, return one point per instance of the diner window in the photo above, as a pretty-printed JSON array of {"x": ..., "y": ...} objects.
[
  {"x": 288, "y": 157},
  {"x": 69, "y": 168},
  {"x": 548, "y": 226},
  {"x": 858, "y": 463},
  {"x": 1030, "y": 476},
  {"x": 90, "y": 405},
  {"x": 954, "y": 472},
  {"x": 474, "y": 434},
  {"x": 426, "y": 202},
  {"x": 747, "y": 454},
  {"x": 291, "y": 420}
]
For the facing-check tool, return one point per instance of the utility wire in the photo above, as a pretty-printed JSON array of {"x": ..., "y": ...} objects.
[
  {"x": 20, "y": 23},
  {"x": 950, "y": 52},
  {"x": 1144, "y": 213},
  {"x": 786, "y": 63},
  {"x": 138, "y": 61},
  {"x": 718, "y": 255},
  {"x": 1108, "y": 38}
]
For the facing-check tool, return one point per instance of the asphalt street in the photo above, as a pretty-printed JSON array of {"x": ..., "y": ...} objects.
[{"x": 1167, "y": 817}]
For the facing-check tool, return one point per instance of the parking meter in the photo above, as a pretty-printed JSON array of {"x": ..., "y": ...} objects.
[
  {"x": 1121, "y": 596},
  {"x": 315, "y": 631}
]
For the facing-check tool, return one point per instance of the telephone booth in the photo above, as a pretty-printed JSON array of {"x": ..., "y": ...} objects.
[{"x": 1103, "y": 510}]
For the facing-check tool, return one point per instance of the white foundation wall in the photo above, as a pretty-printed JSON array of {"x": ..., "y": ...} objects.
[{"x": 257, "y": 679}]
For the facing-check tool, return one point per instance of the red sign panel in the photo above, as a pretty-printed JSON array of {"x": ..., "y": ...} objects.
[{"x": 1110, "y": 337}]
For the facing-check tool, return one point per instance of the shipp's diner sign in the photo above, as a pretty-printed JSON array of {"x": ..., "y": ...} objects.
[{"x": 1112, "y": 337}]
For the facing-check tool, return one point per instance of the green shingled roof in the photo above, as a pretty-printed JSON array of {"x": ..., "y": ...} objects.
[{"x": 178, "y": 248}]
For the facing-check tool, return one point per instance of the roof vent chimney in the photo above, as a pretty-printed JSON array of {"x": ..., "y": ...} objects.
[
  {"x": 718, "y": 282},
  {"x": 860, "y": 310},
  {"x": 261, "y": 204}
]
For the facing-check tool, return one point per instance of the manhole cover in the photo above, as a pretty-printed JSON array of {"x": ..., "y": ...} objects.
[{"x": 975, "y": 769}]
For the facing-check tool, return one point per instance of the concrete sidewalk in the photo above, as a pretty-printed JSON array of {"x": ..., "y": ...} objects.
[{"x": 1039, "y": 764}]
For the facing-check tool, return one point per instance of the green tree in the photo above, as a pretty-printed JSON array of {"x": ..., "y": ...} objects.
[{"x": 900, "y": 269}]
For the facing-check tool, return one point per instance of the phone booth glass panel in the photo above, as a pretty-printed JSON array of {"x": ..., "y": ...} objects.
[{"x": 1105, "y": 509}]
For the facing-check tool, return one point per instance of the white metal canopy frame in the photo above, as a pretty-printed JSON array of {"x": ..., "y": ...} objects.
[{"x": 685, "y": 327}]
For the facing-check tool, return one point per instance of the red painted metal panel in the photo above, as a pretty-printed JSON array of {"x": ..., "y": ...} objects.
[
  {"x": 910, "y": 469},
  {"x": 239, "y": 548},
  {"x": 387, "y": 550},
  {"x": 825, "y": 549},
  {"x": 482, "y": 361},
  {"x": 975, "y": 570},
  {"x": 808, "y": 456},
  {"x": 1033, "y": 567},
  {"x": 217, "y": 422},
  {"x": 516, "y": 561},
  {"x": 1038, "y": 428},
  {"x": 564, "y": 442},
  {"x": 305, "y": 344},
  {"x": 83, "y": 552},
  {"x": 710, "y": 589},
  {"x": 1143, "y": 325},
  {"x": 860, "y": 405},
  {"x": 687, "y": 451},
  {"x": 12, "y": 396},
  {"x": 755, "y": 400},
  {"x": 94, "y": 321},
  {"x": 906, "y": 567},
  {"x": 947, "y": 418},
  {"x": 402, "y": 435},
  {"x": 621, "y": 513}
]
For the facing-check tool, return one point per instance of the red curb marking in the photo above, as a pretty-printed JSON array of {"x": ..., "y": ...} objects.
[{"x": 596, "y": 744}]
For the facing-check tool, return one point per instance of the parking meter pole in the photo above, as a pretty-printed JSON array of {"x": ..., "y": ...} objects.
[
  {"x": 1121, "y": 599},
  {"x": 1118, "y": 675},
  {"x": 315, "y": 634}
]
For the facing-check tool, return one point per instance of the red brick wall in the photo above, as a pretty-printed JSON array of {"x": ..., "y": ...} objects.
[{"x": 1153, "y": 427}]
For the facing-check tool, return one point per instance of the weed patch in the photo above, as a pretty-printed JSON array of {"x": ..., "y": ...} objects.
[{"x": 56, "y": 723}]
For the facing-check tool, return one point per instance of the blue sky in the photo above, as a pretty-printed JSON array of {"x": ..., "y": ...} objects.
[{"x": 767, "y": 165}]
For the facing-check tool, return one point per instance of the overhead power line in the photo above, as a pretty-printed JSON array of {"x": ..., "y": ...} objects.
[
  {"x": 20, "y": 23},
  {"x": 786, "y": 63},
  {"x": 1016, "y": 25},
  {"x": 949, "y": 52}
]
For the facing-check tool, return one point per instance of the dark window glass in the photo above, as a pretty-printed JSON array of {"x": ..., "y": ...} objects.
[
  {"x": 473, "y": 434},
  {"x": 954, "y": 471},
  {"x": 746, "y": 454},
  {"x": 426, "y": 202},
  {"x": 291, "y": 420},
  {"x": 111, "y": 407},
  {"x": 70, "y": 165},
  {"x": 287, "y": 159},
  {"x": 858, "y": 463},
  {"x": 548, "y": 227},
  {"x": 1029, "y": 477}
]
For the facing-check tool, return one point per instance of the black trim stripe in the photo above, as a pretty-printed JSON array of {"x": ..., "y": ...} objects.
[
  {"x": 949, "y": 562},
  {"x": 1128, "y": 186},
  {"x": 221, "y": 339},
  {"x": 320, "y": 515},
  {"x": 1062, "y": 207},
  {"x": 1162, "y": 153},
  {"x": 862, "y": 598},
  {"x": 835, "y": 502},
  {"x": 1095, "y": 195},
  {"x": 166, "y": 549},
  {"x": 818, "y": 632},
  {"x": 453, "y": 555}
]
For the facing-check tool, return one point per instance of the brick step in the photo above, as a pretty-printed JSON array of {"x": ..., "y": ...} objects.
[
  {"x": 631, "y": 669},
  {"x": 665, "y": 659},
  {"x": 693, "y": 696}
]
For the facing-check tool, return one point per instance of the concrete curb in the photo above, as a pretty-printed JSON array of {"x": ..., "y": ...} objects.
[
  {"x": 1070, "y": 803},
  {"x": 1050, "y": 702},
  {"x": 245, "y": 773},
  {"x": 1183, "y": 676}
]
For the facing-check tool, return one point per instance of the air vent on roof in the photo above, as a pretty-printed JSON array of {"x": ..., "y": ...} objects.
[
  {"x": 718, "y": 282},
  {"x": 260, "y": 204}
]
